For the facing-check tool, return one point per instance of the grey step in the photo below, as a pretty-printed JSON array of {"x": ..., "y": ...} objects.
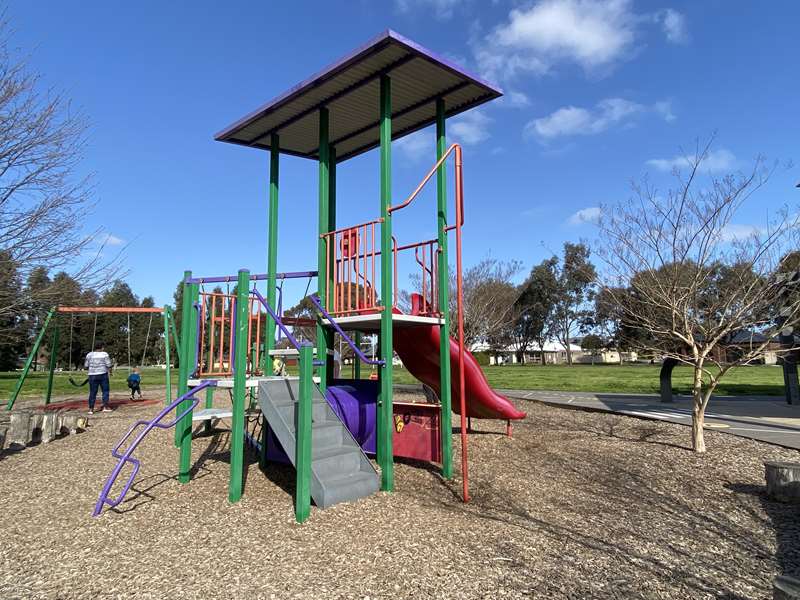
[
  {"x": 205, "y": 414},
  {"x": 340, "y": 471},
  {"x": 351, "y": 487},
  {"x": 336, "y": 461},
  {"x": 319, "y": 411}
]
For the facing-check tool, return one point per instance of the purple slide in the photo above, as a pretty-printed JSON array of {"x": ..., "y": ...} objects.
[{"x": 354, "y": 402}]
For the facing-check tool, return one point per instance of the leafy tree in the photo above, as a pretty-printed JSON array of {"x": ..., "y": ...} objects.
[
  {"x": 534, "y": 307},
  {"x": 575, "y": 277}
]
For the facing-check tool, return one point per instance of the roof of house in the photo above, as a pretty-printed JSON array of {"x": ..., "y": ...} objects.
[{"x": 350, "y": 89}]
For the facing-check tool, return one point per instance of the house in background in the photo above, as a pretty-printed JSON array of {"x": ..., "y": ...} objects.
[{"x": 553, "y": 353}]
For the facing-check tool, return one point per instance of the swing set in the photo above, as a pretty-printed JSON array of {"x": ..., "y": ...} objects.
[{"x": 73, "y": 311}]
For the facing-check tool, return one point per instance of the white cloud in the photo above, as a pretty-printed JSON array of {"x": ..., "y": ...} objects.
[
  {"x": 674, "y": 25},
  {"x": 664, "y": 109},
  {"x": 590, "y": 214},
  {"x": 470, "y": 128},
  {"x": 573, "y": 120},
  {"x": 417, "y": 146},
  {"x": 442, "y": 9},
  {"x": 715, "y": 161},
  {"x": 514, "y": 99},
  {"x": 106, "y": 239},
  {"x": 591, "y": 33}
]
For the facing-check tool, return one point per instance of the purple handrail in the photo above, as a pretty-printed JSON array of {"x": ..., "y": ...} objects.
[
  {"x": 126, "y": 457},
  {"x": 292, "y": 340},
  {"x": 363, "y": 357}
]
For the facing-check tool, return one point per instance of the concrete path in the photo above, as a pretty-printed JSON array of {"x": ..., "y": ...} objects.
[{"x": 765, "y": 418}]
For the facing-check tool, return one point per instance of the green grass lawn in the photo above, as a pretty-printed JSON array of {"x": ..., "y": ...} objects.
[
  {"x": 36, "y": 383},
  {"x": 752, "y": 380}
]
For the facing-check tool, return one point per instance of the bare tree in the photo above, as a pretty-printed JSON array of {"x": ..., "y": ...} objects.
[
  {"x": 690, "y": 289},
  {"x": 489, "y": 296},
  {"x": 43, "y": 203}
]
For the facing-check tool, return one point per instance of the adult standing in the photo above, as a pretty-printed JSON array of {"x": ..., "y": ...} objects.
[{"x": 98, "y": 364}]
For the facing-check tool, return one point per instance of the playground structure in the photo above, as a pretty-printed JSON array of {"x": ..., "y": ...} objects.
[
  {"x": 53, "y": 314},
  {"x": 326, "y": 426}
]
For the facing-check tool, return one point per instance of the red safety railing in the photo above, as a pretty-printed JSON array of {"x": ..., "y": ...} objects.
[
  {"x": 352, "y": 266},
  {"x": 216, "y": 336},
  {"x": 426, "y": 255}
]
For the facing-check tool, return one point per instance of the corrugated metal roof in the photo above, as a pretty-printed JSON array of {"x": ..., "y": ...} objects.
[{"x": 350, "y": 89}]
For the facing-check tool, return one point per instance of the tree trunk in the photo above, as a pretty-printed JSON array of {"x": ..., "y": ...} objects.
[
  {"x": 698, "y": 411},
  {"x": 698, "y": 418},
  {"x": 569, "y": 353}
]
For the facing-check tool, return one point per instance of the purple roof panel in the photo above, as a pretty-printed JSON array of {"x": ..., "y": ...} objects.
[{"x": 349, "y": 88}]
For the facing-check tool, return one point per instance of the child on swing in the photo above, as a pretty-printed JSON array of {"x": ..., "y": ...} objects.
[{"x": 135, "y": 382}]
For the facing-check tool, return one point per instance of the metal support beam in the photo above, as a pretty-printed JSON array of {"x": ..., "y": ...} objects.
[
  {"x": 52, "y": 369},
  {"x": 322, "y": 252},
  {"x": 446, "y": 426},
  {"x": 29, "y": 360},
  {"x": 302, "y": 451},
  {"x": 272, "y": 249},
  {"x": 167, "y": 358},
  {"x": 239, "y": 385},
  {"x": 385, "y": 421}
]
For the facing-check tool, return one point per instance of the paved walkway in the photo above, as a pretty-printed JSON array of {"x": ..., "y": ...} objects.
[{"x": 764, "y": 418}]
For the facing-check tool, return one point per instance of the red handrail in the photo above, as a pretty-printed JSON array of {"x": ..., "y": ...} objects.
[{"x": 456, "y": 150}]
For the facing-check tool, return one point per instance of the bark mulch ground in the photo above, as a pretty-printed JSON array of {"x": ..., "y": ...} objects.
[{"x": 575, "y": 505}]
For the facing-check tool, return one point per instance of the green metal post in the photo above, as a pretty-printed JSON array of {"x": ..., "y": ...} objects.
[
  {"x": 272, "y": 248},
  {"x": 29, "y": 360},
  {"x": 446, "y": 423},
  {"x": 385, "y": 417},
  {"x": 189, "y": 351},
  {"x": 183, "y": 360},
  {"x": 302, "y": 501},
  {"x": 167, "y": 359},
  {"x": 329, "y": 333},
  {"x": 53, "y": 356},
  {"x": 322, "y": 256},
  {"x": 239, "y": 386}
]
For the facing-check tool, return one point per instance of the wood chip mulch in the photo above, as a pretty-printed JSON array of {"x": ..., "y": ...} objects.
[{"x": 575, "y": 505}]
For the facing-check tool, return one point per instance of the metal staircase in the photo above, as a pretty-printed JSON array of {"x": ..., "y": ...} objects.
[{"x": 340, "y": 471}]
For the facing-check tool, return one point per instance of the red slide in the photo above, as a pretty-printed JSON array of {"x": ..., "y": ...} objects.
[{"x": 418, "y": 348}]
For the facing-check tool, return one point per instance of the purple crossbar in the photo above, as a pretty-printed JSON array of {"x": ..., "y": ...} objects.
[
  {"x": 292, "y": 340},
  {"x": 255, "y": 277},
  {"x": 126, "y": 457},
  {"x": 364, "y": 358}
]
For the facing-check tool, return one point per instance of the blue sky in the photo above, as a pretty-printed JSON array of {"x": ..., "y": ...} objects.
[{"x": 597, "y": 93}]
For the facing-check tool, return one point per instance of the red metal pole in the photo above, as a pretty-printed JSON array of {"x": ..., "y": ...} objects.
[
  {"x": 212, "y": 332},
  {"x": 460, "y": 296},
  {"x": 202, "y": 334}
]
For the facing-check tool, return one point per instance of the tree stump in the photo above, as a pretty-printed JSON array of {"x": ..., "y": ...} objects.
[
  {"x": 50, "y": 426},
  {"x": 3, "y": 431},
  {"x": 35, "y": 434},
  {"x": 783, "y": 481},
  {"x": 785, "y": 588},
  {"x": 19, "y": 431}
]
